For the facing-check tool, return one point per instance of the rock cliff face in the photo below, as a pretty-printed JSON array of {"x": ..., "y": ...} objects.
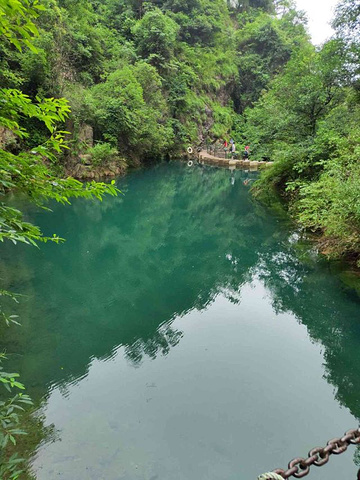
[
  {"x": 7, "y": 138},
  {"x": 86, "y": 136},
  {"x": 82, "y": 171},
  {"x": 81, "y": 165}
]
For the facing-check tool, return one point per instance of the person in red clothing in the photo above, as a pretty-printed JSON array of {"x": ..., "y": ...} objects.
[
  {"x": 247, "y": 152},
  {"x": 225, "y": 145}
]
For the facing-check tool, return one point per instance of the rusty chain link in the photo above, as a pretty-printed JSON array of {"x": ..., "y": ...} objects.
[{"x": 300, "y": 467}]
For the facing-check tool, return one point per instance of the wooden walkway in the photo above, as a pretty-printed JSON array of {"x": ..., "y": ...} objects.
[{"x": 208, "y": 159}]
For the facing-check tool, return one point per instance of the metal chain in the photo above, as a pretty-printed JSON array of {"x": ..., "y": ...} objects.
[{"x": 300, "y": 467}]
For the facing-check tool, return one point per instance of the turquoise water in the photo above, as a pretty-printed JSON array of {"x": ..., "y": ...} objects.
[{"x": 182, "y": 332}]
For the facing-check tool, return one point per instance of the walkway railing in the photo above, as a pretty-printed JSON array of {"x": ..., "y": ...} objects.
[{"x": 219, "y": 151}]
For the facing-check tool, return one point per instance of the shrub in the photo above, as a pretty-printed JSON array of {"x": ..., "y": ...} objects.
[{"x": 103, "y": 153}]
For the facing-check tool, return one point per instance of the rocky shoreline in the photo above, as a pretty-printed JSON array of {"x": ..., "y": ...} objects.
[{"x": 81, "y": 168}]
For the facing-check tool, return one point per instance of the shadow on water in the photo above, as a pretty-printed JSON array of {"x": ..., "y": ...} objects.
[{"x": 177, "y": 239}]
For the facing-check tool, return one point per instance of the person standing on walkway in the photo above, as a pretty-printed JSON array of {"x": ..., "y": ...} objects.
[
  {"x": 233, "y": 149},
  {"x": 246, "y": 152},
  {"x": 225, "y": 145}
]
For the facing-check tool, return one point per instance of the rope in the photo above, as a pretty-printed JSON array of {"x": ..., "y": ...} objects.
[{"x": 270, "y": 476}]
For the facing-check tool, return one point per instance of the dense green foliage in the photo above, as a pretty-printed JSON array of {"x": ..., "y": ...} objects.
[
  {"x": 307, "y": 121},
  {"x": 153, "y": 77}
]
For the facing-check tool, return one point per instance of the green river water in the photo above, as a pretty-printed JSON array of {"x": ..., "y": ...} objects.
[{"x": 182, "y": 332}]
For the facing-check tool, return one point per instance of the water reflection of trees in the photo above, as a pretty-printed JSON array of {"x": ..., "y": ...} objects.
[
  {"x": 161, "y": 341},
  {"x": 131, "y": 265},
  {"x": 329, "y": 311}
]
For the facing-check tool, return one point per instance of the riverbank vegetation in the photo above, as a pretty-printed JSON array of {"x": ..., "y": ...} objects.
[{"x": 307, "y": 120}]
